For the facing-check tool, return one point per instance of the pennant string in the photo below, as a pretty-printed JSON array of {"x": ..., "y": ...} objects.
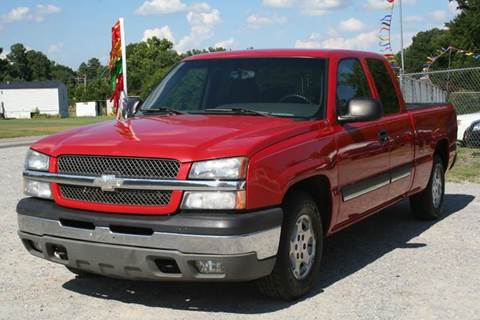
[{"x": 450, "y": 49}]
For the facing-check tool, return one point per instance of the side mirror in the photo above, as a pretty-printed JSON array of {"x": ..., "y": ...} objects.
[
  {"x": 131, "y": 106},
  {"x": 362, "y": 109}
]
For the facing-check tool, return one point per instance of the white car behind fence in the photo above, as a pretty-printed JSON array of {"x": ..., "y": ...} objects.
[{"x": 469, "y": 129}]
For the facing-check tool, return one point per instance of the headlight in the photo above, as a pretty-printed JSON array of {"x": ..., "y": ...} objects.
[
  {"x": 212, "y": 200},
  {"x": 37, "y": 189},
  {"x": 229, "y": 168},
  {"x": 36, "y": 161}
]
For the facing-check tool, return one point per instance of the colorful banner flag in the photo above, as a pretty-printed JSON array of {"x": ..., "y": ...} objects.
[
  {"x": 384, "y": 34},
  {"x": 118, "y": 67}
]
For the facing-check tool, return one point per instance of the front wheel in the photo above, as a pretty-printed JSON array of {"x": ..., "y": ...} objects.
[
  {"x": 427, "y": 204},
  {"x": 300, "y": 250}
]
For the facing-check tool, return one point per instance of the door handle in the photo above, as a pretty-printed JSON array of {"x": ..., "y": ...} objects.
[{"x": 383, "y": 136}]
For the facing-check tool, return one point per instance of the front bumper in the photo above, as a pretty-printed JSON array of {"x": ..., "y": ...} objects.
[{"x": 128, "y": 246}]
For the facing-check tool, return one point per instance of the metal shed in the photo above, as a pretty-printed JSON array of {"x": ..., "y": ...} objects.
[{"x": 21, "y": 99}]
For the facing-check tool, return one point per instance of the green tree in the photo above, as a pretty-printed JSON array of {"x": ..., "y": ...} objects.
[
  {"x": 25, "y": 65},
  {"x": 425, "y": 44},
  {"x": 39, "y": 66},
  {"x": 97, "y": 86},
  {"x": 67, "y": 76},
  {"x": 148, "y": 62},
  {"x": 463, "y": 33},
  {"x": 96, "y": 90},
  {"x": 93, "y": 69},
  {"x": 19, "y": 69},
  {"x": 465, "y": 27},
  {"x": 62, "y": 73},
  {"x": 3, "y": 67},
  {"x": 467, "y": 4}
]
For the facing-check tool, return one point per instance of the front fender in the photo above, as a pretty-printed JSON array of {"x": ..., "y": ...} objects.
[{"x": 275, "y": 169}]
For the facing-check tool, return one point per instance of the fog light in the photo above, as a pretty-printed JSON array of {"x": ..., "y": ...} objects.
[
  {"x": 34, "y": 245},
  {"x": 213, "y": 200},
  {"x": 209, "y": 266},
  {"x": 37, "y": 189},
  {"x": 37, "y": 246}
]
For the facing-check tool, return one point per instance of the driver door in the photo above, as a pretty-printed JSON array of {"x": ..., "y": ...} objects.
[{"x": 363, "y": 156}]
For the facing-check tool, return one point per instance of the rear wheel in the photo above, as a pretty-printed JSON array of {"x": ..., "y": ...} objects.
[
  {"x": 300, "y": 250},
  {"x": 427, "y": 204}
]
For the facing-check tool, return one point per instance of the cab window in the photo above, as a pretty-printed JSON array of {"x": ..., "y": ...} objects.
[{"x": 351, "y": 83}]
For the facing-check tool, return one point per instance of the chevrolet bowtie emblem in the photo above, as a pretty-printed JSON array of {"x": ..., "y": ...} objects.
[{"x": 108, "y": 182}]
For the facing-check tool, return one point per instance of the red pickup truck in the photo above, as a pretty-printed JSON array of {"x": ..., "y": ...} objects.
[{"x": 236, "y": 167}]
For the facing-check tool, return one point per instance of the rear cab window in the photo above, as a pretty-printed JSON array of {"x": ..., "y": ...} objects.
[{"x": 385, "y": 88}]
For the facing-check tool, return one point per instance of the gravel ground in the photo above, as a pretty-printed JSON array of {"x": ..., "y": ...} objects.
[
  {"x": 17, "y": 142},
  {"x": 387, "y": 267}
]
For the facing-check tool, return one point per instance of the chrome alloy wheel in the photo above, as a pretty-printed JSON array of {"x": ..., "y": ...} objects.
[
  {"x": 302, "y": 247},
  {"x": 437, "y": 186}
]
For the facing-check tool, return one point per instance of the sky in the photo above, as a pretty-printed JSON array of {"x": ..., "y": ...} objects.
[{"x": 71, "y": 32}]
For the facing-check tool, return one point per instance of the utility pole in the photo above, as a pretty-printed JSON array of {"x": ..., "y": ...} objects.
[
  {"x": 124, "y": 56},
  {"x": 402, "y": 72},
  {"x": 82, "y": 78}
]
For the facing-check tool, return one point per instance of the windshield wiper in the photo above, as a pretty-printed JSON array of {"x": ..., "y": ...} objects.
[
  {"x": 162, "y": 109},
  {"x": 237, "y": 110}
]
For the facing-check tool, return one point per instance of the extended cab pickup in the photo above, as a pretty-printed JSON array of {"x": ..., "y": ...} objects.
[{"x": 236, "y": 167}]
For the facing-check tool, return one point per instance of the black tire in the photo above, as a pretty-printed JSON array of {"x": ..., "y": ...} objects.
[
  {"x": 81, "y": 273},
  {"x": 282, "y": 283},
  {"x": 426, "y": 205}
]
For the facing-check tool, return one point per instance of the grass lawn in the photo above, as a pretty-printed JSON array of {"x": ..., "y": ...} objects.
[
  {"x": 467, "y": 167},
  {"x": 37, "y": 127}
]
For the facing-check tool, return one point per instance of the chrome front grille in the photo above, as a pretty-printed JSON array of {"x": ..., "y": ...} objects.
[
  {"x": 121, "y": 167},
  {"x": 118, "y": 197}
]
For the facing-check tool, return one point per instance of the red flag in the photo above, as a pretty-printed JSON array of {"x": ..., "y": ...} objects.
[{"x": 117, "y": 65}]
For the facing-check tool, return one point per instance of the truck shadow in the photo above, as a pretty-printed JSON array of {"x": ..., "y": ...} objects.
[{"x": 345, "y": 253}]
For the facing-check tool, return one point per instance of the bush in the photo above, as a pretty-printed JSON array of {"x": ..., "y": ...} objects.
[{"x": 37, "y": 115}]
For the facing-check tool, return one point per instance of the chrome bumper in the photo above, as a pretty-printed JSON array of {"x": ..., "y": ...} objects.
[
  {"x": 263, "y": 243},
  {"x": 138, "y": 263}
]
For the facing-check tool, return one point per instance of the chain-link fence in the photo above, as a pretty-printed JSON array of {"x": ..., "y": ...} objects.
[{"x": 461, "y": 87}]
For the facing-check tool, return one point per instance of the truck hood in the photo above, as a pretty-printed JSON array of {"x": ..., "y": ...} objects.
[{"x": 186, "y": 137}]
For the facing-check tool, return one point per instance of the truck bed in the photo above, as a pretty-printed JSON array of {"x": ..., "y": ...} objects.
[{"x": 418, "y": 105}]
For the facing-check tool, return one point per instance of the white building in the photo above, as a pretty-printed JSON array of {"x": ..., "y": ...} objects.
[
  {"x": 87, "y": 109},
  {"x": 21, "y": 99},
  {"x": 109, "y": 107}
]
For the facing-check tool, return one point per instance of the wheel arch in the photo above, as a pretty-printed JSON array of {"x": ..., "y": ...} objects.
[
  {"x": 441, "y": 149},
  {"x": 318, "y": 187}
]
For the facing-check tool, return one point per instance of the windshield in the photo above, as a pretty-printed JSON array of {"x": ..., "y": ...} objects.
[{"x": 289, "y": 87}]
